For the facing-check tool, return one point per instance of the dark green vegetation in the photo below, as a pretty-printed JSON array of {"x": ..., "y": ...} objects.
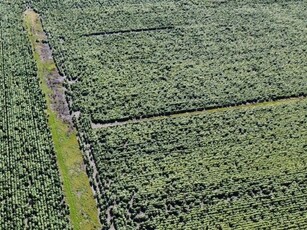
[
  {"x": 238, "y": 168},
  {"x": 242, "y": 168},
  {"x": 191, "y": 54},
  {"x": 30, "y": 186}
]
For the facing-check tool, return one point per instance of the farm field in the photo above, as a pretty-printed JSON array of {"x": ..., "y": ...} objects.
[
  {"x": 31, "y": 194},
  {"x": 148, "y": 58},
  {"x": 153, "y": 114},
  {"x": 149, "y": 79},
  {"x": 239, "y": 169}
]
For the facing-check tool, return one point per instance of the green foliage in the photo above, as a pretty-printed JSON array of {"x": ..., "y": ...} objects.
[
  {"x": 137, "y": 58},
  {"x": 216, "y": 53},
  {"x": 30, "y": 188},
  {"x": 238, "y": 169}
]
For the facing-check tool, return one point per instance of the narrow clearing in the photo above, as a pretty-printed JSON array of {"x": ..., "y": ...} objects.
[
  {"x": 53, "y": 77},
  {"x": 78, "y": 192}
]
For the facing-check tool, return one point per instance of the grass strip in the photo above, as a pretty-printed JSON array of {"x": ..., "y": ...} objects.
[{"x": 78, "y": 193}]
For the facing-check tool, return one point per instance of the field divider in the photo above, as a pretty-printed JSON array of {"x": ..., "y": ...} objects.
[
  {"x": 197, "y": 111},
  {"x": 79, "y": 195},
  {"x": 106, "y": 33}
]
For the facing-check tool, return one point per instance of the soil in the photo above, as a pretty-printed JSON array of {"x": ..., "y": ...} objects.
[
  {"x": 45, "y": 52},
  {"x": 59, "y": 102}
]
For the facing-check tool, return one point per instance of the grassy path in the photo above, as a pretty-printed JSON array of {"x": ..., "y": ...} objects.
[{"x": 76, "y": 186}]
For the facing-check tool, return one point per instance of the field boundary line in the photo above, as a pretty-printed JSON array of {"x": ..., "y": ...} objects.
[
  {"x": 194, "y": 112},
  {"x": 106, "y": 33}
]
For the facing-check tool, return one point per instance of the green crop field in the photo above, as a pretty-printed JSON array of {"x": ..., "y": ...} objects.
[
  {"x": 228, "y": 169},
  {"x": 189, "y": 56},
  {"x": 153, "y": 114},
  {"x": 30, "y": 188}
]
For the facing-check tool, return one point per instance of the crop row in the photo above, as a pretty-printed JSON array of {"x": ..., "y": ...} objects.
[
  {"x": 30, "y": 188},
  {"x": 234, "y": 169}
]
